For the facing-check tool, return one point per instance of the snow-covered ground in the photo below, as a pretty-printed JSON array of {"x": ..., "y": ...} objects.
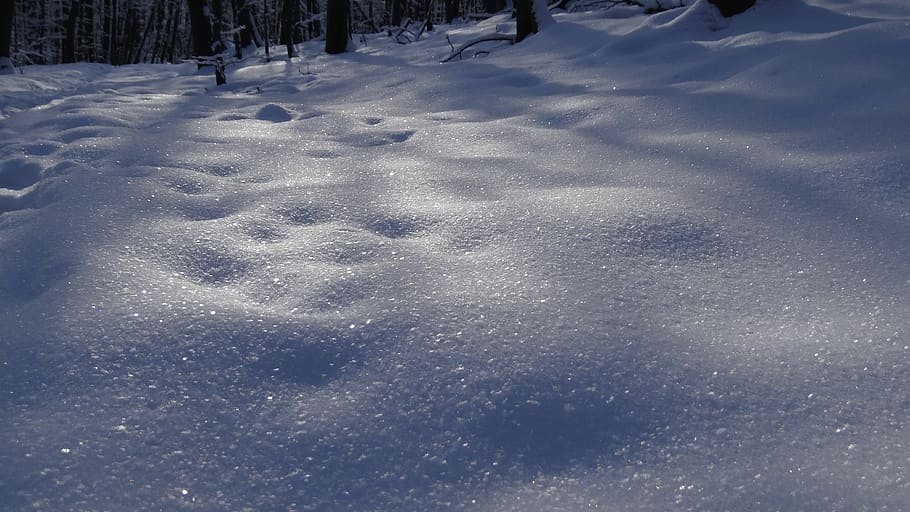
[{"x": 632, "y": 263}]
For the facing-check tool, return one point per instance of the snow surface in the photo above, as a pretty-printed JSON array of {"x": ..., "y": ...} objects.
[{"x": 632, "y": 263}]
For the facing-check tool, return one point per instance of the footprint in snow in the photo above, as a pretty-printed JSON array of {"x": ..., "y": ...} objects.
[
  {"x": 305, "y": 214},
  {"x": 378, "y": 139},
  {"x": 264, "y": 233},
  {"x": 17, "y": 174},
  {"x": 398, "y": 227},
  {"x": 211, "y": 266},
  {"x": 678, "y": 239}
]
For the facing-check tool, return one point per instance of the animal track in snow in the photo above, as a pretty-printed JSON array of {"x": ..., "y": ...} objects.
[
  {"x": 378, "y": 139},
  {"x": 315, "y": 360},
  {"x": 262, "y": 232},
  {"x": 17, "y": 174},
  {"x": 221, "y": 171},
  {"x": 210, "y": 265},
  {"x": 349, "y": 252},
  {"x": 372, "y": 121},
  {"x": 185, "y": 185},
  {"x": 41, "y": 148},
  {"x": 208, "y": 211},
  {"x": 233, "y": 117},
  {"x": 323, "y": 154},
  {"x": 679, "y": 239},
  {"x": 305, "y": 214},
  {"x": 398, "y": 227}
]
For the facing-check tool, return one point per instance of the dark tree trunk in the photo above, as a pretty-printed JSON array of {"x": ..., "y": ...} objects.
[
  {"x": 732, "y": 7},
  {"x": 249, "y": 34},
  {"x": 397, "y": 12},
  {"x": 200, "y": 29},
  {"x": 290, "y": 15},
  {"x": 493, "y": 6},
  {"x": 69, "y": 39},
  {"x": 7, "y": 11},
  {"x": 265, "y": 14},
  {"x": 531, "y": 16},
  {"x": 452, "y": 10},
  {"x": 337, "y": 35},
  {"x": 314, "y": 26},
  {"x": 112, "y": 28},
  {"x": 525, "y": 21},
  {"x": 428, "y": 9},
  {"x": 85, "y": 47},
  {"x": 217, "y": 23}
]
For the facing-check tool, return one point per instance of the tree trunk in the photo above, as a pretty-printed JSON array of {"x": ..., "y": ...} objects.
[
  {"x": 200, "y": 28},
  {"x": 290, "y": 15},
  {"x": 452, "y": 10},
  {"x": 217, "y": 16},
  {"x": 265, "y": 14},
  {"x": 531, "y": 16},
  {"x": 69, "y": 40},
  {"x": 397, "y": 12},
  {"x": 428, "y": 9},
  {"x": 337, "y": 35},
  {"x": 732, "y": 7},
  {"x": 493, "y": 6},
  {"x": 7, "y": 11},
  {"x": 250, "y": 33},
  {"x": 314, "y": 26}
]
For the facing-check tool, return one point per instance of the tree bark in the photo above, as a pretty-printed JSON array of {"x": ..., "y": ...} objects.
[
  {"x": 493, "y": 6},
  {"x": 200, "y": 28},
  {"x": 452, "y": 10},
  {"x": 7, "y": 12},
  {"x": 732, "y": 7},
  {"x": 337, "y": 35},
  {"x": 69, "y": 40},
  {"x": 397, "y": 12},
  {"x": 531, "y": 16},
  {"x": 290, "y": 15}
]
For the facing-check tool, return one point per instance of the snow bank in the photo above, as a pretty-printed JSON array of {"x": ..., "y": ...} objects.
[{"x": 646, "y": 262}]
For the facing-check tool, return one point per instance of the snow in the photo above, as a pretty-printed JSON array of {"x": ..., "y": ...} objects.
[{"x": 631, "y": 263}]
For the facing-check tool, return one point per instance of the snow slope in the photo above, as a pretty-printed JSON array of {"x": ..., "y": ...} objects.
[{"x": 633, "y": 263}]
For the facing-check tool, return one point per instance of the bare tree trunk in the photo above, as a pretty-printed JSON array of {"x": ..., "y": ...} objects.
[
  {"x": 452, "y": 10},
  {"x": 7, "y": 12},
  {"x": 337, "y": 34},
  {"x": 531, "y": 16},
  {"x": 290, "y": 15},
  {"x": 200, "y": 28},
  {"x": 69, "y": 40},
  {"x": 397, "y": 12},
  {"x": 265, "y": 14},
  {"x": 732, "y": 7},
  {"x": 493, "y": 6},
  {"x": 314, "y": 26}
]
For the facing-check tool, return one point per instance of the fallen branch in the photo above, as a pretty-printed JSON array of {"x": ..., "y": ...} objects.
[{"x": 456, "y": 52}]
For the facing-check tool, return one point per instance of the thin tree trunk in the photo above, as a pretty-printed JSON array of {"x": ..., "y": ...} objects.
[
  {"x": 314, "y": 27},
  {"x": 265, "y": 10},
  {"x": 290, "y": 15},
  {"x": 69, "y": 40},
  {"x": 397, "y": 12}
]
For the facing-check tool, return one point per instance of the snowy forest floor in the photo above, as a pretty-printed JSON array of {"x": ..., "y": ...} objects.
[{"x": 632, "y": 263}]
